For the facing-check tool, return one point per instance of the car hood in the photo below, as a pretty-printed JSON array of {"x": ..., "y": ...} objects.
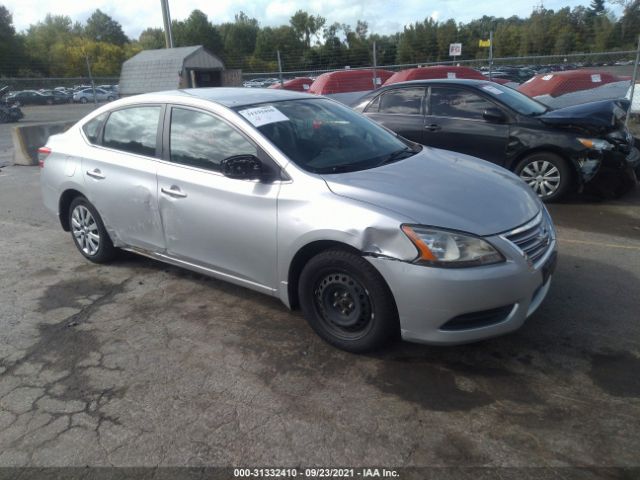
[
  {"x": 601, "y": 115},
  {"x": 443, "y": 189}
]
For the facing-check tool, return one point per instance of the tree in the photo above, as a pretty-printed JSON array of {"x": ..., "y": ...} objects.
[
  {"x": 102, "y": 28},
  {"x": 197, "y": 30},
  {"x": 44, "y": 43},
  {"x": 284, "y": 39},
  {"x": 597, "y": 7},
  {"x": 239, "y": 39},
  {"x": 306, "y": 26},
  {"x": 11, "y": 57},
  {"x": 151, "y": 39}
]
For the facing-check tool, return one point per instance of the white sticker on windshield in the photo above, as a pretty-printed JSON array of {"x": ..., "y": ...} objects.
[
  {"x": 305, "y": 86},
  {"x": 492, "y": 89},
  {"x": 547, "y": 77},
  {"x": 451, "y": 74},
  {"x": 260, "y": 116},
  {"x": 596, "y": 78}
]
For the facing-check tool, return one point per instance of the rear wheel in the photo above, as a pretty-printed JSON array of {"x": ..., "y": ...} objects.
[
  {"x": 546, "y": 173},
  {"x": 83, "y": 100},
  {"x": 88, "y": 232},
  {"x": 347, "y": 302}
]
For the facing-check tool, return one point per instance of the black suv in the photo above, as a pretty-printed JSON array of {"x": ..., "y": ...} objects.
[{"x": 551, "y": 150}]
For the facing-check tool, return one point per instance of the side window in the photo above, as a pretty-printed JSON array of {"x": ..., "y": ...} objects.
[
  {"x": 92, "y": 127},
  {"x": 133, "y": 130},
  {"x": 402, "y": 100},
  {"x": 455, "y": 102},
  {"x": 202, "y": 140}
]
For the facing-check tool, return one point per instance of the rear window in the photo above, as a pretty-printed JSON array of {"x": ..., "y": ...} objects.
[
  {"x": 133, "y": 130},
  {"x": 92, "y": 128},
  {"x": 407, "y": 101}
]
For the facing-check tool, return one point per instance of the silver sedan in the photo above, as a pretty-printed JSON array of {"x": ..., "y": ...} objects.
[{"x": 301, "y": 198}]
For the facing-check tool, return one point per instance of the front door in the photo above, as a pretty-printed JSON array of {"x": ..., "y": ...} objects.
[
  {"x": 402, "y": 111},
  {"x": 455, "y": 122},
  {"x": 214, "y": 221}
]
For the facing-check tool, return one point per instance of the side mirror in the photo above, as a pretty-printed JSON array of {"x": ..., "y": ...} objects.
[
  {"x": 494, "y": 115},
  {"x": 242, "y": 167}
]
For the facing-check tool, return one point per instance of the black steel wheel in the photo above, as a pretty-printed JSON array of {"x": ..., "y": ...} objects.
[{"x": 347, "y": 302}]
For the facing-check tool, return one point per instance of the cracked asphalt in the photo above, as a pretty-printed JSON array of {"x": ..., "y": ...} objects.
[{"x": 141, "y": 364}]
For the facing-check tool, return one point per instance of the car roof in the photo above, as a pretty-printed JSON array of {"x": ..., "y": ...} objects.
[
  {"x": 234, "y": 97},
  {"x": 443, "y": 81}
]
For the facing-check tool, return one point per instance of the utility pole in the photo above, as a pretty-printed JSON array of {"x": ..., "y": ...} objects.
[
  {"x": 375, "y": 64},
  {"x": 634, "y": 79},
  {"x": 93, "y": 85},
  {"x": 280, "y": 68},
  {"x": 491, "y": 55},
  {"x": 166, "y": 18}
]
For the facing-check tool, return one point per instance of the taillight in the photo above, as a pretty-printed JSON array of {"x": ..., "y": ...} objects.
[{"x": 43, "y": 153}]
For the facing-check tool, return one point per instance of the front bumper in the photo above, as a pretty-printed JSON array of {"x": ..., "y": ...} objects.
[{"x": 427, "y": 298}]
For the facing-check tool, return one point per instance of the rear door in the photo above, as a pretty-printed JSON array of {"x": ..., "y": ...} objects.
[
  {"x": 120, "y": 176},
  {"x": 401, "y": 110},
  {"x": 455, "y": 121},
  {"x": 224, "y": 224}
]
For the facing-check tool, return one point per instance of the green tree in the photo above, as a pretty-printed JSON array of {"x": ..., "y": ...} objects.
[
  {"x": 306, "y": 26},
  {"x": 197, "y": 30},
  {"x": 151, "y": 39},
  {"x": 44, "y": 43},
  {"x": 102, "y": 28},
  {"x": 239, "y": 39},
  {"x": 11, "y": 55}
]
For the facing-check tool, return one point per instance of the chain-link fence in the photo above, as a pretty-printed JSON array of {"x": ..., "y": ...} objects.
[{"x": 40, "y": 83}]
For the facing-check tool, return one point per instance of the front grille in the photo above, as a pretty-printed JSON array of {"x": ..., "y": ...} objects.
[{"x": 533, "y": 238}]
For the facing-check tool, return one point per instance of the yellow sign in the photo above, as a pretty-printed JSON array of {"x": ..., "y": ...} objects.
[{"x": 484, "y": 43}]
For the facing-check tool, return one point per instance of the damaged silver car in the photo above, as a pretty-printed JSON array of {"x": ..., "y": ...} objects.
[{"x": 299, "y": 197}]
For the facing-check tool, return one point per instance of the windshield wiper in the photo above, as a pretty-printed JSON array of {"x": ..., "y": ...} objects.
[{"x": 406, "y": 152}]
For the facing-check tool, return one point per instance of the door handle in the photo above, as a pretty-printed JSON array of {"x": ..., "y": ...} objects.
[
  {"x": 96, "y": 173},
  {"x": 174, "y": 191},
  {"x": 434, "y": 127}
]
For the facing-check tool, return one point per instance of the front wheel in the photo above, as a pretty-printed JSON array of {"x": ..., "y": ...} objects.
[
  {"x": 88, "y": 232},
  {"x": 347, "y": 302},
  {"x": 546, "y": 173},
  {"x": 83, "y": 100}
]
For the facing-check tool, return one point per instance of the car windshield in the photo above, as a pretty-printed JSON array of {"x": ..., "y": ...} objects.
[
  {"x": 514, "y": 99},
  {"x": 322, "y": 136}
]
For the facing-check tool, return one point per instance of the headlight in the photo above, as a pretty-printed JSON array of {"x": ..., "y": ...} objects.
[
  {"x": 441, "y": 248},
  {"x": 595, "y": 143}
]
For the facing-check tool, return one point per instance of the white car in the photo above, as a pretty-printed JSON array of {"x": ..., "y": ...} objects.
[{"x": 86, "y": 95}]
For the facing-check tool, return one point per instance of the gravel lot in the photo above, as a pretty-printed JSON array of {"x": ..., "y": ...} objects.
[{"x": 142, "y": 364}]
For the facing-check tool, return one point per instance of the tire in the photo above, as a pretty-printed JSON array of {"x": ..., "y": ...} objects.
[
  {"x": 358, "y": 326},
  {"x": 110, "y": 99},
  {"x": 85, "y": 225},
  {"x": 83, "y": 100},
  {"x": 547, "y": 174}
]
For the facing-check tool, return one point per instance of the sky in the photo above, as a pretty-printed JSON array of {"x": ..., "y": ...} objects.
[{"x": 383, "y": 16}]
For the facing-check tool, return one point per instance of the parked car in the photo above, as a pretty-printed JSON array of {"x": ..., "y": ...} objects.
[
  {"x": 29, "y": 97},
  {"x": 59, "y": 96},
  {"x": 87, "y": 95},
  {"x": 552, "y": 150},
  {"x": 298, "y": 84},
  {"x": 513, "y": 74},
  {"x": 255, "y": 83},
  {"x": 301, "y": 198},
  {"x": 8, "y": 113}
]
